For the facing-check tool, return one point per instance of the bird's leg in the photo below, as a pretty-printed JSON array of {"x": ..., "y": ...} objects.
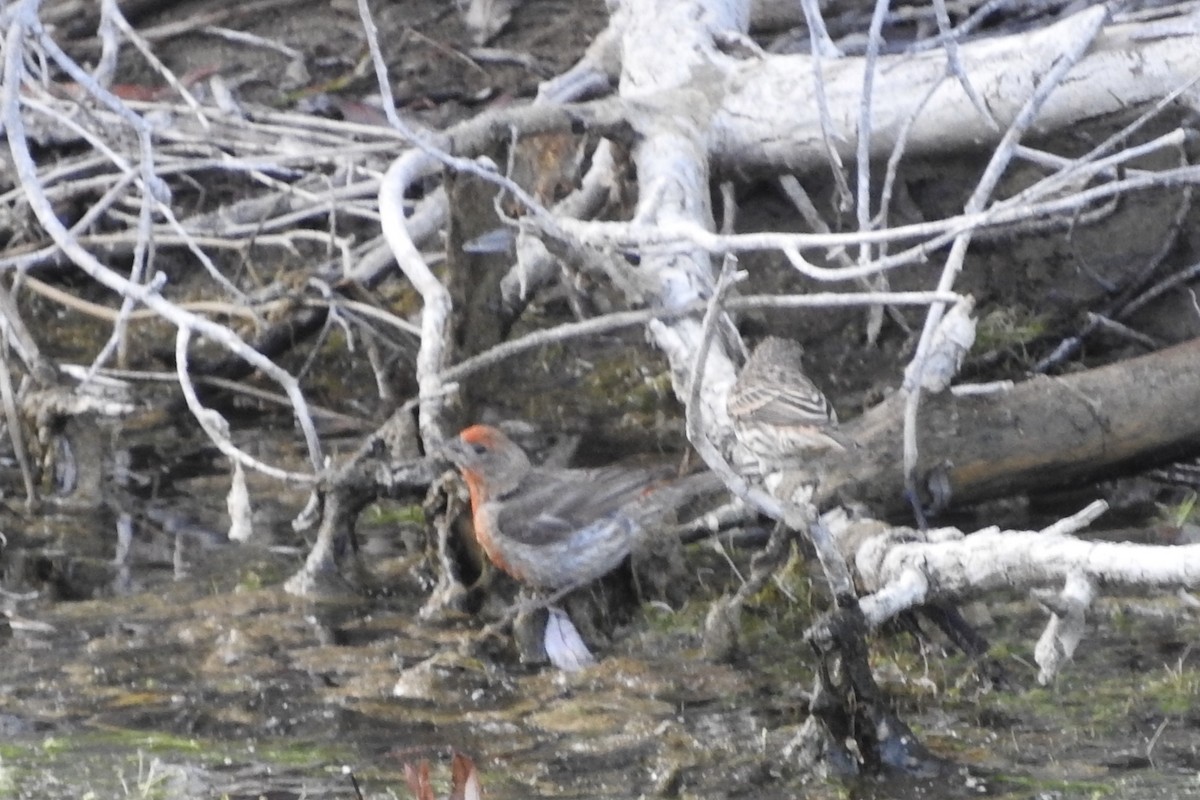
[
  {"x": 530, "y": 620},
  {"x": 525, "y": 607},
  {"x": 529, "y": 634}
]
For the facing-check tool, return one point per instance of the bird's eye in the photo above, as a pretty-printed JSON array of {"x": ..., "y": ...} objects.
[{"x": 479, "y": 448}]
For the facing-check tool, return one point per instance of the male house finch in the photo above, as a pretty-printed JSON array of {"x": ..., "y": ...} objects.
[
  {"x": 778, "y": 414},
  {"x": 561, "y": 528}
]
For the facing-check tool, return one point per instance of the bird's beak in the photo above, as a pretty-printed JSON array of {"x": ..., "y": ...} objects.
[{"x": 451, "y": 450}]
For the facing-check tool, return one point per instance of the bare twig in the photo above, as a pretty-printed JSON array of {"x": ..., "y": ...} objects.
[
  {"x": 1090, "y": 26},
  {"x": 216, "y": 428},
  {"x": 24, "y": 21},
  {"x": 626, "y": 319}
]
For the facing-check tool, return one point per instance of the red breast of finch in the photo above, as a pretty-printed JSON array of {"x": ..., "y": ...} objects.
[
  {"x": 778, "y": 413},
  {"x": 562, "y": 528}
]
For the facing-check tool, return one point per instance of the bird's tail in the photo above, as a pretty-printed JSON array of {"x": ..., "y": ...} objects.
[{"x": 676, "y": 498}]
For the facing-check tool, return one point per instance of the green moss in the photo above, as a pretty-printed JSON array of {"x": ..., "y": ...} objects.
[
  {"x": 1008, "y": 328},
  {"x": 1123, "y": 623},
  {"x": 250, "y": 581},
  {"x": 1099, "y": 707},
  {"x": 662, "y": 619},
  {"x": 1174, "y": 691},
  {"x": 394, "y": 515},
  {"x": 1050, "y": 787},
  {"x": 637, "y": 385},
  {"x": 300, "y": 754},
  {"x": 119, "y": 762},
  {"x": 11, "y": 752},
  {"x": 1180, "y": 513},
  {"x": 128, "y": 742},
  {"x": 786, "y": 605}
]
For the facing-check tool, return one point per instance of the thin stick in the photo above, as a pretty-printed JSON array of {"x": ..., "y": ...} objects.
[
  {"x": 626, "y": 319},
  {"x": 1091, "y": 23},
  {"x": 23, "y": 20}
]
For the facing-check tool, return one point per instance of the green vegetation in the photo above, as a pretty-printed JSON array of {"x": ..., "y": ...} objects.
[{"x": 1008, "y": 329}]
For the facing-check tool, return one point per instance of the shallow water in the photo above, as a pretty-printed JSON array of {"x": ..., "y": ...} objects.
[{"x": 184, "y": 670}]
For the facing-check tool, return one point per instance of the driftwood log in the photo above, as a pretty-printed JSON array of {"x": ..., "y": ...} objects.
[{"x": 1043, "y": 433}]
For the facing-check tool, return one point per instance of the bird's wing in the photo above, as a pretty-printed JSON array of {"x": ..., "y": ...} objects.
[
  {"x": 797, "y": 401},
  {"x": 553, "y": 503}
]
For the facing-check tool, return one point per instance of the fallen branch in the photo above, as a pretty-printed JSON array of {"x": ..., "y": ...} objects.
[
  {"x": 901, "y": 568},
  {"x": 1043, "y": 433}
]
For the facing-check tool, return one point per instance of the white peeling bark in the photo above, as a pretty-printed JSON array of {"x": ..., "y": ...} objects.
[
  {"x": 435, "y": 316},
  {"x": 1065, "y": 630},
  {"x": 768, "y": 118},
  {"x": 899, "y": 568},
  {"x": 673, "y": 84}
]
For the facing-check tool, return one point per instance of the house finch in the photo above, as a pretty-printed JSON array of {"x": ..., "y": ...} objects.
[
  {"x": 561, "y": 528},
  {"x": 778, "y": 414}
]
